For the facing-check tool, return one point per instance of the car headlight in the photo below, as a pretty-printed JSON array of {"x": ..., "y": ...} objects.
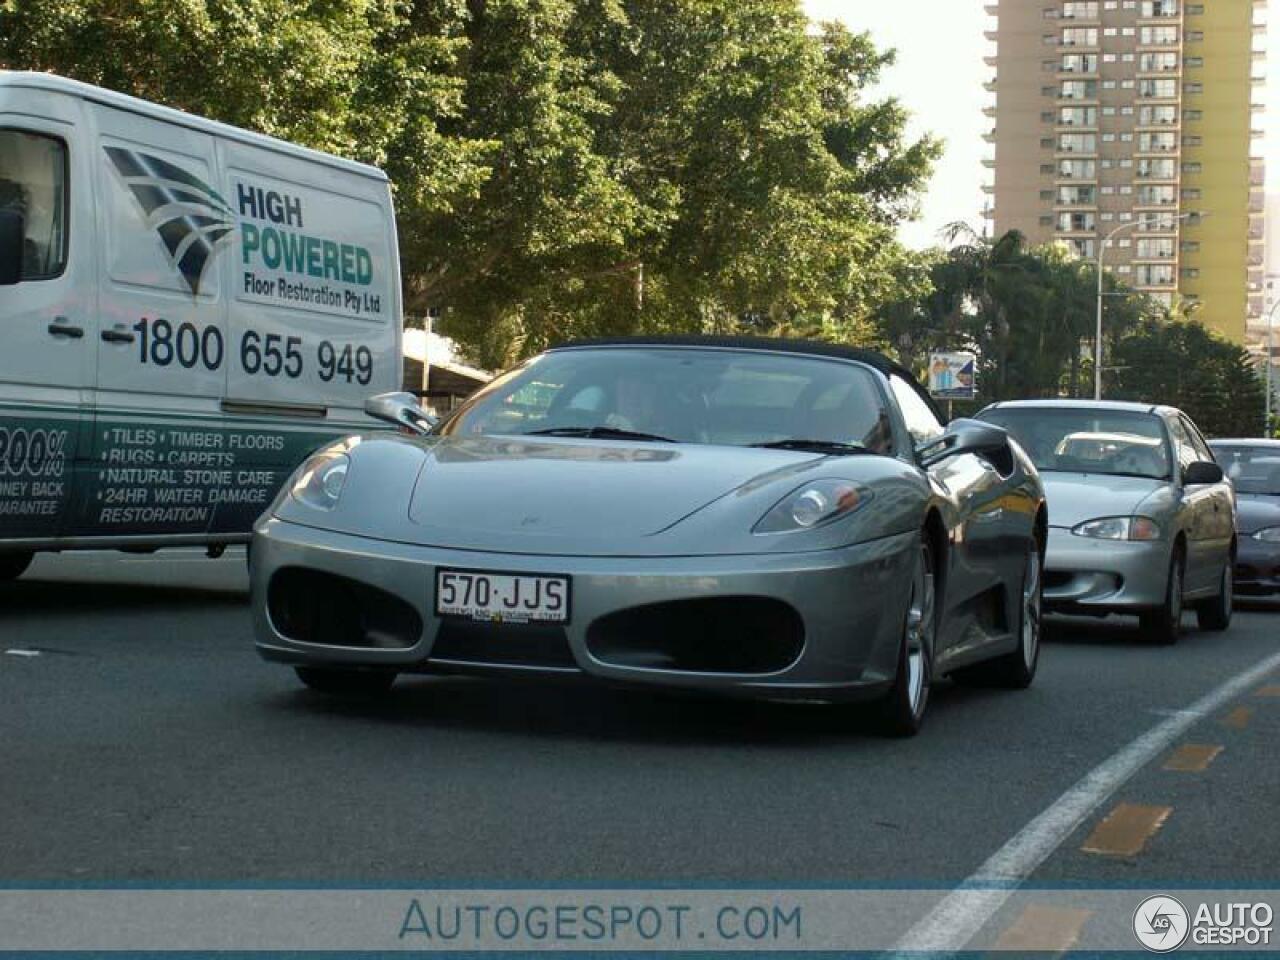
[
  {"x": 319, "y": 481},
  {"x": 1268, "y": 535},
  {"x": 812, "y": 505},
  {"x": 1118, "y": 528}
]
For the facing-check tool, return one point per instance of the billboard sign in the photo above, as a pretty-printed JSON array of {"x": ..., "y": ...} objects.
[{"x": 953, "y": 376}]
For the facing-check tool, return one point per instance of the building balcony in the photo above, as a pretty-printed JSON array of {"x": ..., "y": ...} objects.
[
  {"x": 992, "y": 35},
  {"x": 990, "y": 85},
  {"x": 989, "y": 162},
  {"x": 989, "y": 112},
  {"x": 993, "y": 9},
  {"x": 989, "y": 136},
  {"x": 991, "y": 61}
]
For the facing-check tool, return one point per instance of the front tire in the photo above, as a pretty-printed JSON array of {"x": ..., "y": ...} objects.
[
  {"x": 1163, "y": 626},
  {"x": 1215, "y": 614},
  {"x": 346, "y": 683},
  {"x": 901, "y": 712},
  {"x": 14, "y": 565}
]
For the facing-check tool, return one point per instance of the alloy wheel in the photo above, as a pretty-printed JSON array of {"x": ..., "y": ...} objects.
[
  {"x": 1032, "y": 609},
  {"x": 920, "y": 623}
]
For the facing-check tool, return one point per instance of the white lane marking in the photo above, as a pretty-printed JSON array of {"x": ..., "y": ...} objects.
[
  {"x": 966, "y": 910},
  {"x": 20, "y": 652}
]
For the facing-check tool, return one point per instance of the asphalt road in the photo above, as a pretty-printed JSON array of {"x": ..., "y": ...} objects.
[{"x": 141, "y": 739}]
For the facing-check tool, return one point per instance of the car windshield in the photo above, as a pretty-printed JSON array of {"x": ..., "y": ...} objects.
[
  {"x": 1253, "y": 469},
  {"x": 1082, "y": 440},
  {"x": 684, "y": 395}
]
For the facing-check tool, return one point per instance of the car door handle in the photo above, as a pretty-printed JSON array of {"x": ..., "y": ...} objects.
[
  {"x": 60, "y": 328},
  {"x": 118, "y": 336}
]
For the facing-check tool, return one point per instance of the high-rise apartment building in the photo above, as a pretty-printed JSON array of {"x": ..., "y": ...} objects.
[{"x": 1123, "y": 116}]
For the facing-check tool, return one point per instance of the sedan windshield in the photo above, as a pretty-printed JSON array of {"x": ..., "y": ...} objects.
[
  {"x": 1082, "y": 440},
  {"x": 684, "y": 395},
  {"x": 1253, "y": 470}
]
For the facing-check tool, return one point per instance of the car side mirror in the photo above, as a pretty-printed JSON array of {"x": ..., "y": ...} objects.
[
  {"x": 401, "y": 409},
  {"x": 970, "y": 436},
  {"x": 13, "y": 232},
  {"x": 1201, "y": 472}
]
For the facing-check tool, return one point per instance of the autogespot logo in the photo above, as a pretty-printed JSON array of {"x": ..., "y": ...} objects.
[{"x": 1161, "y": 924}]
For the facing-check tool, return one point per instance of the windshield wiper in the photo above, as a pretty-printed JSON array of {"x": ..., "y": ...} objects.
[
  {"x": 834, "y": 447},
  {"x": 599, "y": 433}
]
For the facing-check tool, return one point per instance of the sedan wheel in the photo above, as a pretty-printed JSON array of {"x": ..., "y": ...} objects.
[
  {"x": 1215, "y": 614},
  {"x": 901, "y": 713},
  {"x": 1164, "y": 625}
]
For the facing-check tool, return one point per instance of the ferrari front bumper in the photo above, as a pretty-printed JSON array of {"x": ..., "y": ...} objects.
[{"x": 849, "y": 606}]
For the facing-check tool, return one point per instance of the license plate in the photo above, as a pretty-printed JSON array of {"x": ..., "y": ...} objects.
[{"x": 502, "y": 597}]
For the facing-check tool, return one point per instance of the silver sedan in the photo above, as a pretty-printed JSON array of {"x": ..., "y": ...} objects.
[
  {"x": 767, "y": 518},
  {"x": 1141, "y": 518}
]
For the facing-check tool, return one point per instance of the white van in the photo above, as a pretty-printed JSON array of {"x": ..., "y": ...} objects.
[{"x": 186, "y": 311}]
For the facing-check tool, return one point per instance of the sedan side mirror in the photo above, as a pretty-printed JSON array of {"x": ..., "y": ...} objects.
[
  {"x": 1202, "y": 472},
  {"x": 970, "y": 436},
  {"x": 13, "y": 232},
  {"x": 401, "y": 409}
]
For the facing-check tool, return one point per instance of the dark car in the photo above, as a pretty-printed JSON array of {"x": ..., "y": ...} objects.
[{"x": 1253, "y": 466}]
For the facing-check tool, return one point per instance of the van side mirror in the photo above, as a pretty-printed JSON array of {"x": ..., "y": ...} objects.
[
  {"x": 1202, "y": 472},
  {"x": 970, "y": 436},
  {"x": 401, "y": 409},
  {"x": 13, "y": 232}
]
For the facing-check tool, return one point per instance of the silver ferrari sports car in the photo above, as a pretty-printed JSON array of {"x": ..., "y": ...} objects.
[{"x": 780, "y": 519}]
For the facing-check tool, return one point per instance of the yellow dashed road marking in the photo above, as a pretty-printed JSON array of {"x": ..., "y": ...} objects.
[
  {"x": 1192, "y": 757},
  {"x": 1044, "y": 929},
  {"x": 1238, "y": 718},
  {"x": 1270, "y": 690},
  {"x": 1126, "y": 830}
]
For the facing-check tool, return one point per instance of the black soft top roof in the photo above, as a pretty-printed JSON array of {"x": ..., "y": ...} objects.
[
  {"x": 816, "y": 348},
  {"x": 813, "y": 348}
]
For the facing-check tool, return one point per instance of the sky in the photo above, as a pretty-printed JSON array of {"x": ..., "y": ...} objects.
[{"x": 939, "y": 77}]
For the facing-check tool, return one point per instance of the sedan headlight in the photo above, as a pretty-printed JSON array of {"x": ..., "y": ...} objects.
[
  {"x": 812, "y": 505},
  {"x": 1268, "y": 535},
  {"x": 1118, "y": 528},
  {"x": 319, "y": 482}
]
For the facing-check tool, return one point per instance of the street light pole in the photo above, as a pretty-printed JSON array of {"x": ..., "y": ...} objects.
[
  {"x": 1271, "y": 315},
  {"x": 1102, "y": 248}
]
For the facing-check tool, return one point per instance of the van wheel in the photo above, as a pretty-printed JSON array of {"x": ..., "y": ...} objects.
[
  {"x": 346, "y": 683},
  {"x": 14, "y": 565}
]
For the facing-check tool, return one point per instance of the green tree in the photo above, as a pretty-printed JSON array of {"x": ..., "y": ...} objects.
[
  {"x": 1181, "y": 363},
  {"x": 360, "y": 78},
  {"x": 1027, "y": 312},
  {"x": 561, "y": 167}
]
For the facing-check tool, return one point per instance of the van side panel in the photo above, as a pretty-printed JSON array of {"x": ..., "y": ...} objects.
[
  {"x": 211, "y": 388},
  {"x": 314, "y": 319}
]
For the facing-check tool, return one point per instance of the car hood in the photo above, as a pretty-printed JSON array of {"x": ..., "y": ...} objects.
[
  {"x": 601, "y": 498},
  {"x": 1255, "y": 512},
  {"x": 1074, "y": 498},
  {"x": 482, "y": 492}
]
